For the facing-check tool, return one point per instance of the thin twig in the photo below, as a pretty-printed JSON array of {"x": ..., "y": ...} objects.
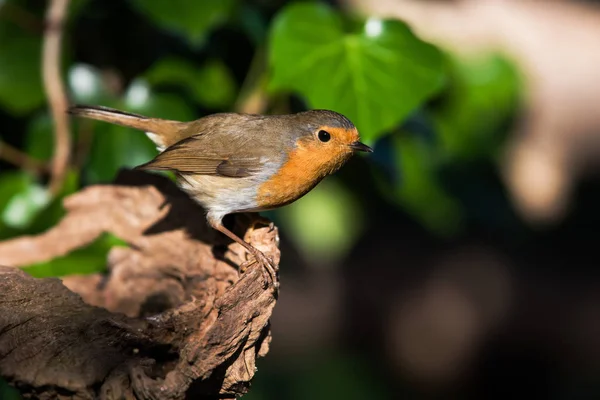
[
  {"x": 55, "y": 91},
  {"x": 20, "y": 159}
]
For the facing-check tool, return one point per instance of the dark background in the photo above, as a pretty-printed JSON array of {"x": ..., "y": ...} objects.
[{"x": 420, "y": 271}]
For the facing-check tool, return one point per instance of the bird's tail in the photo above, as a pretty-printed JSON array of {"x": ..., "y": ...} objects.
[{"x": 160, "y": 131}]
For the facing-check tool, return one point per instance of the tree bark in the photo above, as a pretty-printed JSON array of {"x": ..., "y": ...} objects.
[{"x": 172, "y": 319}]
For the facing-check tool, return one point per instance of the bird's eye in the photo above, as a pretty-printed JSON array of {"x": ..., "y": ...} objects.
[{"x": 324, "y": 136}]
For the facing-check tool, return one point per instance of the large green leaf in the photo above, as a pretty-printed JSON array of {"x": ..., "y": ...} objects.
[
  {"x": 193, "y": 19},
  {"x": 375, "y": 75},
  {"x": 20, "y": 79}
]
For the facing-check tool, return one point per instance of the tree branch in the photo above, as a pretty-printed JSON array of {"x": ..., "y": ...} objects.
[
  {"x": 20, "y": 159},
  {"x": 55, "y": 91}
]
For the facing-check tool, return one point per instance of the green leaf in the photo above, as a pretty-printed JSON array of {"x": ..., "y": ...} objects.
[
  {"x": 483, "y": 95},
  {"x": 211, "y": 85},
  {"x": 375, "y": 75},
  {"x": 86, "y": 260},
  {"x": 22, "y": 199},
  {"x": 20, "y": 78},
  {"x": 26, "y": 207},
  {"x": 330, "y": 210},
  {"x": 192, "y": 19},
  {"x": 419, "y": 190}
]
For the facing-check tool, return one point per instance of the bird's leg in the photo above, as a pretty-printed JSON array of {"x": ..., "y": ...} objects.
[{"x": 258, "y": 255}]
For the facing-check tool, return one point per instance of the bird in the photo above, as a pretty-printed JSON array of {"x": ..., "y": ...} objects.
[{"x": 232, "y": 163}]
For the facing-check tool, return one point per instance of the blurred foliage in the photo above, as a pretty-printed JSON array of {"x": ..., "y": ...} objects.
[
  {"x": 7, "y": 392},
  {"x": 332, "y": 211},
  {"x": 191, "y": 19},
  {"x": 20, "y": 78},
  {"x": 424, "y": 111},
  {"x": 336, "y": 375},
  {"x": 85, "y": 260}
]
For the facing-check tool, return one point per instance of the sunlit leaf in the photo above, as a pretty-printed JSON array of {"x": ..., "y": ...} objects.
[
  {"x": 211, "y": 84},
  {"x": 375, "y": 75},
  {"x": 20, "y": 79},
  {"x": 325, "y": 223},
  {"x": 85, "y": 84},
  {"x": 86, "y": 260},
  {"x": 192, "y": 19},
  {"x": 22, "y": 199}
]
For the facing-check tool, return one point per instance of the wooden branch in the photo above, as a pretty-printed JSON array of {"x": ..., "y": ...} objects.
[
  {"x": 20, "y": 159},
  {"x": 55, "y": 90},
  {"x": 172, "y": 320}
]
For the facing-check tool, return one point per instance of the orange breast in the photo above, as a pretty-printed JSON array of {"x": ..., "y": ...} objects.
[{"x": 306, "y": 166}]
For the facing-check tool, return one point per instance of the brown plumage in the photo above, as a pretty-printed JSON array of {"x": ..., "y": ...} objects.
[{"x": 233, "y": 163}]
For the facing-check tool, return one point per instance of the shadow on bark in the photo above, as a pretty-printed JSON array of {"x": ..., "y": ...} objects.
[{"x": 172, "y": 319}]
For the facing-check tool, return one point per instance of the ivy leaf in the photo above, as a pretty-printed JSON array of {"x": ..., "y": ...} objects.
[
  {"x": 193, "y": 19},
  {"x": 375, "y": 75}
]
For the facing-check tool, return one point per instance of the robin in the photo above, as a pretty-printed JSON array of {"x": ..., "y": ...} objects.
[{"x": 232, "y": 163}]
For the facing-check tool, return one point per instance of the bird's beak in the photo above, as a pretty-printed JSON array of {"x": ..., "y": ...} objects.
[{"x": 358, "y": 146}]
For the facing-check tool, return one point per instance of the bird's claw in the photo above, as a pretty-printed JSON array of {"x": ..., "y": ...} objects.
[{"x": 268, "y": 268}]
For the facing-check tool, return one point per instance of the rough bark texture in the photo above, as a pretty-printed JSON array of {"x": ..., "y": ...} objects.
[{"x": 173, "y": 319}]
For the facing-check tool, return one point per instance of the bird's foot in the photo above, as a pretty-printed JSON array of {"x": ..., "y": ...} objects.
[{"x": 268, "y": 268}]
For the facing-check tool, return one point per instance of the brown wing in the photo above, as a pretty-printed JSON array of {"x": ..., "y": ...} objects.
[{"x": 190, "y": 156}]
